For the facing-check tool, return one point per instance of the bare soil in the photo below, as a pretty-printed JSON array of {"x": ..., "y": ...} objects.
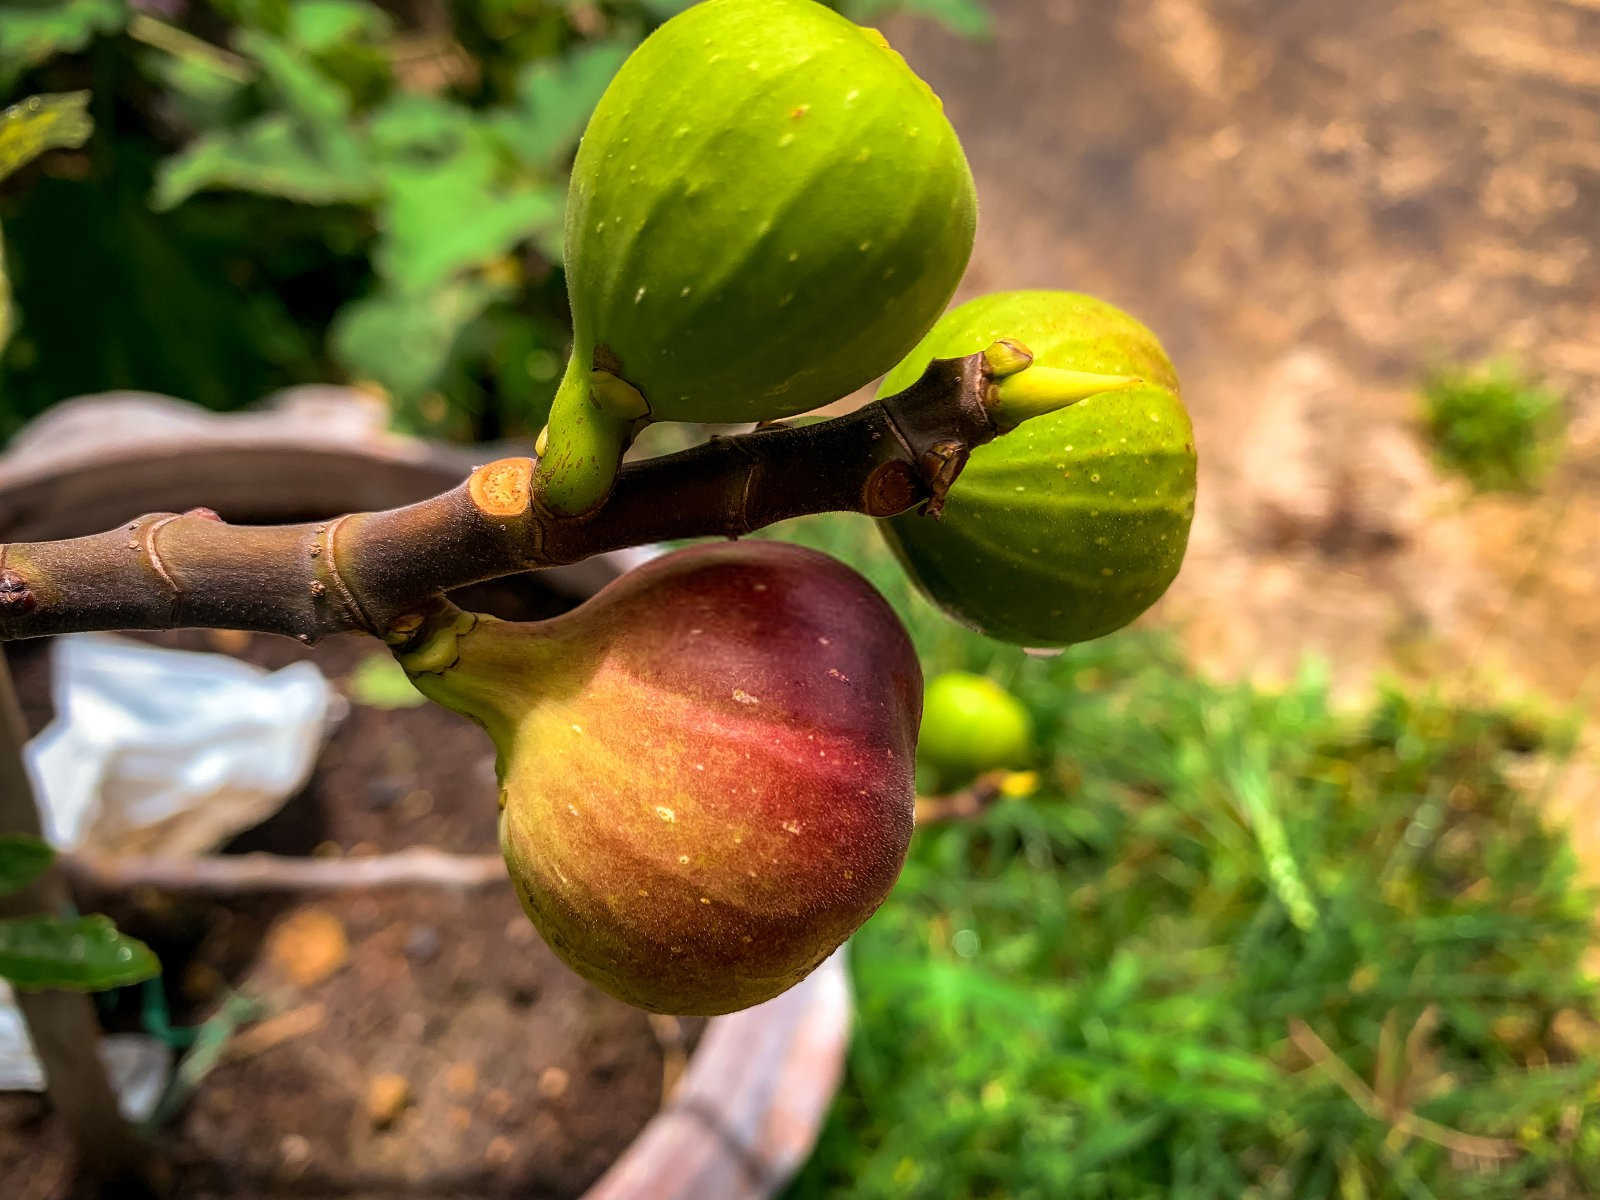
[{"x": 507, "y": 1075}]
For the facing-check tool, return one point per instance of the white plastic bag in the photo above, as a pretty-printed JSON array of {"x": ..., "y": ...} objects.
[
  {"x": 137, "y": 1065},
  {"x": 167, "y": 751}
]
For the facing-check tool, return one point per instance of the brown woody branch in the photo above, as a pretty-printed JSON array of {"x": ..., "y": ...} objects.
[{"x": 368, "y": 571}]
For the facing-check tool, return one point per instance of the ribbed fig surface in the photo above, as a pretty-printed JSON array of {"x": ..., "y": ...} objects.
[
  {"x": 707, "y": 770},
  {"x": 1074, "y": 523},
  {"x": 767, "y": 210}
]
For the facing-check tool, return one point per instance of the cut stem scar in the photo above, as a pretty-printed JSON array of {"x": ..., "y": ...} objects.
[{"x": 503, "y": 488}]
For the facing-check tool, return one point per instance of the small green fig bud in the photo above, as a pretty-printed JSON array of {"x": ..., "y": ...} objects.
[
  {"x": 706, "y": 770},
  {"x": 1073, "y": 523},
  {"x": 970, "y": 724},
  {"x": 767, "y": 210}
]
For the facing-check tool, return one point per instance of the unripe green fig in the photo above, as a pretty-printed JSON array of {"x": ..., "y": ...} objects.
[
  {"x": 1071, "y": 525},
  {"x": 767, "y": 210},
  {"x": 970, "y": 724},
  {"x": 706, "y": 770}
]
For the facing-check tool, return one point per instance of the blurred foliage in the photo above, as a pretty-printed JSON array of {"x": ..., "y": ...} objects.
[
  {"x": 292, "y": 192},
  {"x": 81, "y": 954},
  {"x": 27, "y": 130},
  {"x": 22, "y": 860},
  {"x": 380, "y": 682},
  {"x": 1493, "y": 425},
  {"x": 1090, "y": 992}
]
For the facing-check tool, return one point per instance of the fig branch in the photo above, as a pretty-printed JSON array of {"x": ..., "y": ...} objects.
[{"x": 371, "y": 572}]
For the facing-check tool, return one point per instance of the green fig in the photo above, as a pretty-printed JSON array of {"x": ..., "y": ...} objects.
[
  {"x": 970, "y": 724},
  {"x": 1071, "y": 525},
  {"x": 767, "y": 210},
  {"x": 706, "y": 770}
]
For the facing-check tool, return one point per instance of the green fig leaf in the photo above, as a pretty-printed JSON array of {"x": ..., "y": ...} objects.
[
  {"x": 85, "y": 954},
  {"x": 42, "y": 123},
  {"x": 556, "y": 98},
  {"x": 323, "y": 26},
  {"x": 271, "y": 157},
  {"x": 404, "y": 341},
  {"x": 22, "y": 860},
  {"x": 34, "y": 31},
  {"x": 307, "y": 152}
]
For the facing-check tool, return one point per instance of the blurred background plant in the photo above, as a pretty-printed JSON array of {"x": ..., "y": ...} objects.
[
  {"x": 1238, "y": 943},
  {"x": 1494, "y": 425},
  {"x": 296, "y": 192}
]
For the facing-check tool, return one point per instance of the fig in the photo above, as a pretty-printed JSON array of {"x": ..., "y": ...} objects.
[
  {"x": 767, "y": 210},
  {"x": 1071, "y": 525},
  {"x": 706, "y": 770},
  {"x": 970, "y": 724}
]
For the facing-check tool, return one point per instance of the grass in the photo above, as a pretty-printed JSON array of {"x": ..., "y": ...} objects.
[
  {"x": 1493, "y": 425},
  {"x": 1237, "y": 945}
]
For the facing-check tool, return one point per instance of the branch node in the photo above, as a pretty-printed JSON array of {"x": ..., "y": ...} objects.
[
  {"x": 346, "y": 593},
  {"x": 941, "y": 464},
  {"x": 152, "y": 554},
  {"x": 16, "y": 597}
]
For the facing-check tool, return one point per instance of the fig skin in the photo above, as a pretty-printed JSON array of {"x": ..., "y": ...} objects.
[
  {"x": 1073, "y": 524},
  {"x": 767, "y": 210},
  {"x": 706, "y": 770}
]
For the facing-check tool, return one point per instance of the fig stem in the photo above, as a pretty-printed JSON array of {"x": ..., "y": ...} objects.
[
  {"x": 1035, "y": 391},
  {"x": 591, "y": 420},
  {"x": 383, "y": 572}
]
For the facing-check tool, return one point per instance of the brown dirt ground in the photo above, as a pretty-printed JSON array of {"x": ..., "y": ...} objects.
[
  {"x": 1313, "y": 203},
  {"x": 522, "y": 1079}
]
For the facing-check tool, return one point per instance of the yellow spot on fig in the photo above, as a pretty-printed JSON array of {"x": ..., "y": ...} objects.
[
  {"x": 577, "y": 728},
  {"x": 791, "y": 826},
  {"x": 705, "y": 899},
  {"x": 744, "y": 697},
  {"x": 665, "y": 813},
  {"x": 683, "y": 859}
]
